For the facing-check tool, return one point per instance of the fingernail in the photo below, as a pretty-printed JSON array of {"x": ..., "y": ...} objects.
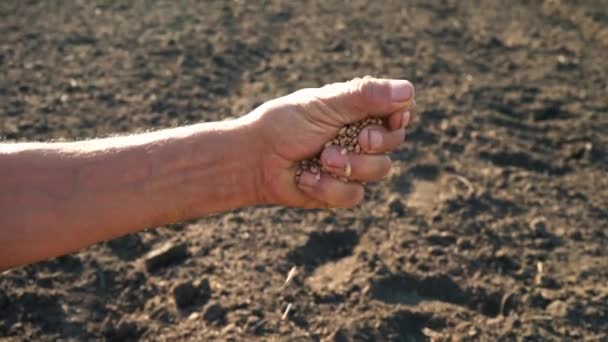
[
  {"x": 401, "y": 91},
  {"x": 307, "y": 179},
  {"x": 405, "y": 120},
  {"x": 334, "y": 158},
  {"x": 375, "y": 139}
]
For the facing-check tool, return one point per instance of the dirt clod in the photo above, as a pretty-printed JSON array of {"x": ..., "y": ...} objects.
[
  {"x": 214, "y": 312},
  {"x": 188, "y": 294},
  {"x": 396, "y": 206}
]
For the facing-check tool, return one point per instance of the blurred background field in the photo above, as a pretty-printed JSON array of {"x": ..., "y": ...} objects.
[{"x": 494, "y": 223}]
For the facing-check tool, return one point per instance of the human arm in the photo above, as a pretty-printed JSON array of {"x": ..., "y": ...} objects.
[{"x": 59, "y": 197}]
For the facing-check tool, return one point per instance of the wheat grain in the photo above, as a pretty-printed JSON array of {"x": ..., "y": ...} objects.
[
  {"x": 286, "y": 312},
  {"x": 292, "y": 273},
  {"x": 347, "y": 139}
]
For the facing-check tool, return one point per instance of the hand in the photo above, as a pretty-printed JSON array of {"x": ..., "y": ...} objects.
[{"x": 297, "y": 126}]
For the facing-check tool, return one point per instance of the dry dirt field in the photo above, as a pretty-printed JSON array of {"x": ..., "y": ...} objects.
[{"x": 493, "y": 225}]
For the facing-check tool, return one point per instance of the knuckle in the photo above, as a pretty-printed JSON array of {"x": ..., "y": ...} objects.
[{"x": 365, "y": 88}]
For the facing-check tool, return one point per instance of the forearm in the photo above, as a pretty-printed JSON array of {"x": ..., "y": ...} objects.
[{"x": 59, "y": 197}]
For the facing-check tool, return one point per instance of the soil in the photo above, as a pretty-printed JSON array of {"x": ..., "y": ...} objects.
[{"x": 493, "y": 225}]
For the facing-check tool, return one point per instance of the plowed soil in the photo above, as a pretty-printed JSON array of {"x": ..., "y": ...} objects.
[{"x": 493, "y": 225}]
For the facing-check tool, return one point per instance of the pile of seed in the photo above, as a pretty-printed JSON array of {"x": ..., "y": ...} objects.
[{"x": 347, "y": 138}]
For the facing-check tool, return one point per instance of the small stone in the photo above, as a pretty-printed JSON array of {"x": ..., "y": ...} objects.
[
  {"x": 214, "y": 312},
  {"x": 169, "y": 253},
  {"x": 194, "y": 316}
]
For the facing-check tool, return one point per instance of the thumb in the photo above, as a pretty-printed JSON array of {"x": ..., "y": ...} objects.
[{"x": 368, "y": 96}]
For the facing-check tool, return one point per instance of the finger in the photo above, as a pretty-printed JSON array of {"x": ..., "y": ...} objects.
[
  {"x": 332, "y": 191},
  {"x": 362, "y": 167},
  {"x": 402, "y": 118},
  {"x": 376, "y": 139},
  {"x": 367, "y": 97},
  {"x": 399, "y": 120}
]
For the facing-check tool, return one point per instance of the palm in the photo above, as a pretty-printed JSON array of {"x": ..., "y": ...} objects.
[{"x": 296, "y": 129}]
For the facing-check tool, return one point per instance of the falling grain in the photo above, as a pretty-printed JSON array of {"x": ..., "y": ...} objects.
[{"x": 286, "y": 312}]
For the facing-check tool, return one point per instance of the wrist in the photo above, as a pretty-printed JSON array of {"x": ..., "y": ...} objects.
[
  {"x": 205, "y": 168},
  {"x": 265, "y": 163},
  {"x": 246, "y": 147}
]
